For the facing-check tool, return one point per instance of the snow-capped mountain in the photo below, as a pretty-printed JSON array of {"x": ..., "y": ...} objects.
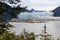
[
  {"x": 57, "y": 11},
  {"x": 10, "y": 1}
]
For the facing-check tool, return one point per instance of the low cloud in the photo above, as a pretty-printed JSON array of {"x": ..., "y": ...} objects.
[{"x": 41, "y": 4}]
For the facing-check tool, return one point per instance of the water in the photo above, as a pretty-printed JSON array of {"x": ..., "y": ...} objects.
[{"x": 53, "y": 28}]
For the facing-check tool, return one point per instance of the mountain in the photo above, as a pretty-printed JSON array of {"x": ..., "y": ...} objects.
[
  {"x": 11, "y": 1},
  {"x": 5, "y": 11},
  {"x": 8, "y": 12},
  {"x": 57, "y": 11},
  {"x": 33, "y": 10}
]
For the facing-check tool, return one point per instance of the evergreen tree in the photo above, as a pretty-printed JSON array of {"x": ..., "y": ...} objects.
[
  {"x": 7, "y": 12},
  {"x": 7, "y": 36},
  {"x": 14, "y": 1},
  {"x": 26, "y": 36},
  {"x": 32, "y": 36},
  {"x": 4, "y": 24}
]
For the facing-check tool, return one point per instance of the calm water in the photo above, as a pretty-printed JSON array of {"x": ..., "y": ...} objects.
[{"x": 53, "y": 27}]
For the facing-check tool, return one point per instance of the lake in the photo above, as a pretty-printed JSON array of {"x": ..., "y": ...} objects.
[{"x": 53, "y": 28}]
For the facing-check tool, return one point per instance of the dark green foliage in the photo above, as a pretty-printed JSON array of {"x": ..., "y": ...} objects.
[
  {"x": 7, "y": 12},
  {"x": 4, "y": 26},
  {"x": 28, "y": 36},
  {"x": 17, "y": 10},
  {"x": 14, "y": 1},
  {"x": 32, "y": 36},
  {"x": 3, "y": 7},
  {"x": 7, "y": 36},
  {"x": 21, "y": 37}
]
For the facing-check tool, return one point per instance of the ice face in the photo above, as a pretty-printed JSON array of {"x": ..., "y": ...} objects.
[{"x": 33, "y": 15}]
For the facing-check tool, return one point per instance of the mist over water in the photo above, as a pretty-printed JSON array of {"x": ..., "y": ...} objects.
[
  {"x": 53, "y": 28},
  {"x": 34, "y": 15}
]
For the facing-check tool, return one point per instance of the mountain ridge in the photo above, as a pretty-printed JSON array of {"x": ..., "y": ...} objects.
[{"x": 56, "y": 11}]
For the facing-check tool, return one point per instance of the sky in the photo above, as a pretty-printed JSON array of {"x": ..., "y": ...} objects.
[{"x": 41, "y": 4}]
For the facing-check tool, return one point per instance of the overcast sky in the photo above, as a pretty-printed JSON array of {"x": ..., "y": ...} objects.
[{"x": 41, "y": 4}]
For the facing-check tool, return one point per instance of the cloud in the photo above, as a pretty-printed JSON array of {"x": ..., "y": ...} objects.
[{"x": 41, "y": 4}]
